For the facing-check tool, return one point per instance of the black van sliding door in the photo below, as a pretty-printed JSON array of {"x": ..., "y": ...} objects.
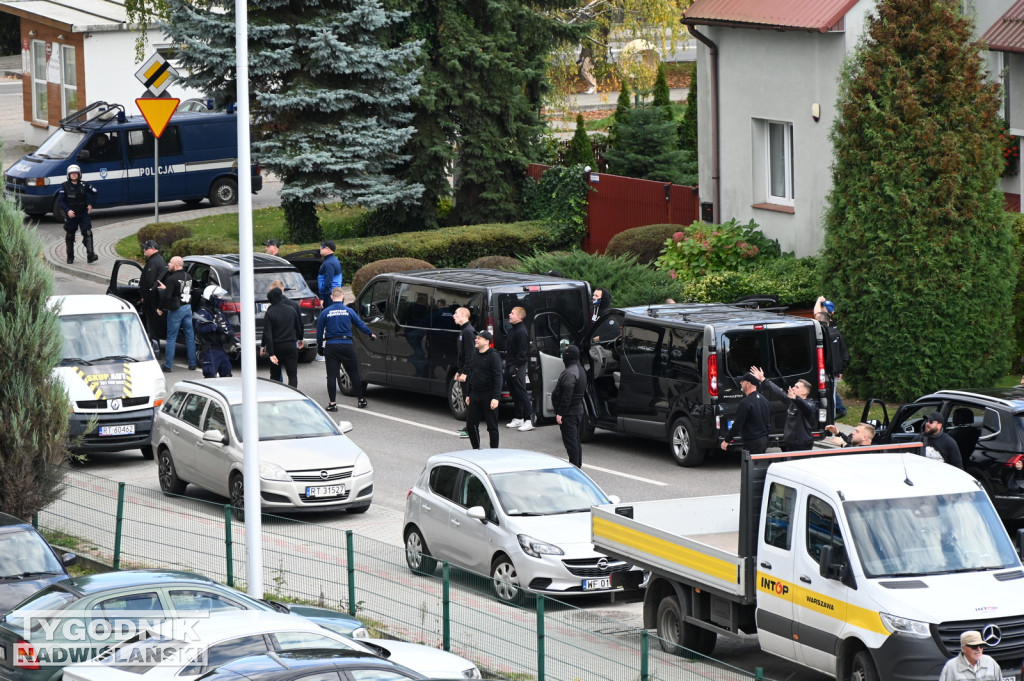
[{"x": 642, "y": 402}]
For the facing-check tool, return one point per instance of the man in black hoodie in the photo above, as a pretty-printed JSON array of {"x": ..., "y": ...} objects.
[
  {"x": 567, "y": 398},
  {"x": 282, "y": 337},
  {"x": 464, "y": 350},
  {"x": 484, "y": 383},
  {"x": 801, "y": 413}
]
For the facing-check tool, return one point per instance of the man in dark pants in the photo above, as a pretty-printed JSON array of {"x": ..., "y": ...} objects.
[
  {"x": 282, "y": 337},
  {"x": 334, "y": 342},
  {"x": 76, "y": 198},
  {"x": 937, "y": 444},
  {"x": 214, "y": 334},
  {"x": 463, "y": 349},
  {"x": 567, "y": 398},
  {"x": 751, "y": 419},
  {"x": 484, "y": 384},
  {"x": 516, "y": 355},
  {"x": 149, "y": 297},
  {"x": 176, "y": 298},
  {"x": 801, "y": 413},
  {"x": 329, "y": 277}
]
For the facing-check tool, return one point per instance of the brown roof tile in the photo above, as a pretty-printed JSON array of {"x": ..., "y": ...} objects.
[
  {"x": 793, "y": 15},
  {"x": 1007, "y": 34}
]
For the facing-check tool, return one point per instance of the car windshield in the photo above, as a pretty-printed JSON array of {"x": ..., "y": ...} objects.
[
  {"x": 60, "y": 145},
  {"x": 931, "y": 535},
  {"x": 108, "y": 337},
  {"x": 547, "y": 492},
  {"x": 287, "y": 420},
  {"x": 46, "y": 603},
  {"x": 294, "y": 285},
  {"x": 139, "y": 654},
  {"x": 24, "y": 554}
]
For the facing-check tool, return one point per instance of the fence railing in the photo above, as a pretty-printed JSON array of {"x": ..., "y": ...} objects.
[{"x": 132, "y": 527}]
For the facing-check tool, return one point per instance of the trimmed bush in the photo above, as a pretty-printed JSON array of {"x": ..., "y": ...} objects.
[
  {"x": 645, "y": 243},
  {"x": 795, "y": 281},
  {"x": 368, "y": 272},
  {"x": 702, "y": 248},
  {"x": 495, "y": 262},
  {"x": 629, "y": 283},
  {"x": 165, "y": 234},
  {"x": 201, "y": 245}
]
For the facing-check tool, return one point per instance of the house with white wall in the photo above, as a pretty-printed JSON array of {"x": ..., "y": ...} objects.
[
  {"x": 75, "y": 52},
  {"x": 768, "y": 78}
]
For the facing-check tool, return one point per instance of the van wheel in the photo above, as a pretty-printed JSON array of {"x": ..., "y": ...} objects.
[
  {"x": 589, "y": 426},
  {"x": 58, "y": 214},
  {"x": 684, "y": 445},
  {"x": 307, "y": 355},
  {"x": 678, "y": 637},
  {"x": 224, "y": 192},
  {"x": 345, "y": 384},
  {"x": 456, "y": 399},
  {"x": 863, "y": 668}
]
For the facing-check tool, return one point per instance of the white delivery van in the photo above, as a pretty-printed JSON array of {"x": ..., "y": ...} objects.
[{"x": 110, "y": 373}]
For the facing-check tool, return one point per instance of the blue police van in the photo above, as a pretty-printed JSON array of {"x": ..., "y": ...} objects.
[{"x": 198, "y": 156}]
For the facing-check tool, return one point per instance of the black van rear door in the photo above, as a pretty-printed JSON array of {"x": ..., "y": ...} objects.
[{"x": 550, "y": 333}]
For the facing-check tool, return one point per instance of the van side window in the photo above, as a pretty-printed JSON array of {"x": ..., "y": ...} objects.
[
  {"x": 414, "y": 305},
  {"x": 822, "y": 529},
  {"x": 742, "y": 351},
  {"x": 778, "y": 517},
  {"x": 373, "y": 302},
  {"x": 793, "y": 351},
  {"x": 140, "y": 143},
  {"x": 682, "y": 362},
  {"x": 451, "y": 299},
  {"x": 640, "y": 349}
]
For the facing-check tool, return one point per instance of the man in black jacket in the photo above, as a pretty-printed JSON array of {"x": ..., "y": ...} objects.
[
  {"x": 149, "y": 297},
  {"x": 751, "y": 419},
  {"x": 801, "y": 413},
  {"x": 837, "y": 356},
  {"x": 463, "y": 349},
  {"x": 567, "y": 398},
  {"x": 484, "y": 383},
  {"x": 516, "y": 354},
  {"x": 76, "y": 198},
  {"x": 282, "y": 337},
  {"x": 937, "y": 444}
]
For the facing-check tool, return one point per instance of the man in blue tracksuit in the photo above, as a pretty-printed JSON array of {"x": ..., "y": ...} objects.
[
  {"x": 329, "y": 277},
  {"x": 334, "y": 341}
]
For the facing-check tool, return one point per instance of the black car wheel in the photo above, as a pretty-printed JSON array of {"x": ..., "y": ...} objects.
[
  {"x": 345, "y": 384},
  {"x": 170, "y": 483},
  {"x": 236, "y": 489},
  {"x": 224, "y": 192}
]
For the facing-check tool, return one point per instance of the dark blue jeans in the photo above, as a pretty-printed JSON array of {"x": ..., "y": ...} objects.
[{"x": 180, "y": 319}]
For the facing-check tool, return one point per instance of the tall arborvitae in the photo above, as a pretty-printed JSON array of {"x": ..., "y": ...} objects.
[
  {"x": 581, "y": 151},
  {"x": 919, "y": 256},
  {"x": 645, "y": 147},
  {"x": 661, "y": 96},
  {"x": 34, "y": 404},
  {"x": 623, "y": 106},
  {"x": 330, "y": 96},
  {"x": 688, "y": 126}
]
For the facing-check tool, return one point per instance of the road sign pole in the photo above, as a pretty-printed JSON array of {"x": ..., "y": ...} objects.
[{"x": 156, "y": 177}]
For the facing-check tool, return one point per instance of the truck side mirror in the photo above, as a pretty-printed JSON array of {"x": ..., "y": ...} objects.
[{"x": 825, "y": 561}]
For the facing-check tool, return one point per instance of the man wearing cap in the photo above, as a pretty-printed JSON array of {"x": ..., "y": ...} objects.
[
  {"x": 567, "y": 399},
  {"x": 971, "y": 664},
  {"x": 153, "y": 272},
  {"x": 329, "y": 277},
  {"x": 484, "y": 384},
  {"x": 76, "y": 199},
  {"x": 837, "y": 357},
  {"x": 273, "y": 246},
  {"x": 937, "y": 444},
  {"x": 751, "y": 419},
  {"x": 801, "y": 413}
]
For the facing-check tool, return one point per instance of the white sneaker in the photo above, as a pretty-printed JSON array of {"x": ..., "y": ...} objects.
[
  {"x": 321, "y": 358},
  {"x": 527, "y": 425},
  {"x": 514, "y": 423}
]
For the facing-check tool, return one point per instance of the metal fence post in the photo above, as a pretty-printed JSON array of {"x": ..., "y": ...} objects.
[
  {"x": 35, "y": 520},
  {"x": 446, "y": 602},
  {"x": 350, "y": 558},
  {"x": 759, "y": 673},
  {"x": 645, "y": 656},
  {"x": 229, "y": 553},
  {"x": 540, "y": 637},
  {"x": 117, "y": 526}
]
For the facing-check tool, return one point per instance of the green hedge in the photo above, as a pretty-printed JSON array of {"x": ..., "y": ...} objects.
[
  {"x": 367, "y": 272},
  {"x": 629, "y": 282},
  {"x": 797, "y": 283}
]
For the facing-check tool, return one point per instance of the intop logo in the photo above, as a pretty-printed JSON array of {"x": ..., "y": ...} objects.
[{"x": 780, "y": 588}]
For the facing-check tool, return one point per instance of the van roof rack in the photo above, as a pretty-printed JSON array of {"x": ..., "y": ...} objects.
[{"x": 97, "y": 110}]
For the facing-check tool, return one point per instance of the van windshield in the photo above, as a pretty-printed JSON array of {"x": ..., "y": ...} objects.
[
  {"x": 113, "y": 337},
  {"x": 60, "y": 145},
  {"x": 933, "y": 535}
]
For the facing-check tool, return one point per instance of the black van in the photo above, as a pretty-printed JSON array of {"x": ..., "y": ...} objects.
[
  {"x": 412, "y": 314},
  {"x": 671, "y": 372}
]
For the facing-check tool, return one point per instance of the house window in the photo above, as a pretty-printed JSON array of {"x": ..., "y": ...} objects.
[
  {"x": 780, "y": 162},
  {"x": 69, "y": 80},
  {"x": 39, "y": 102}
]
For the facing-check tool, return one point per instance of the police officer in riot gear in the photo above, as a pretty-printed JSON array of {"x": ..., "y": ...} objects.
[{"x": 76, "y": 199}]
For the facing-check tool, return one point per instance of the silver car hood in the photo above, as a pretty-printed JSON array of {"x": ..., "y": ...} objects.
[
  {"x": 428, "y": 661},
  {"x": 568, "y": 531},
  {"x": 310, "y": 453}
]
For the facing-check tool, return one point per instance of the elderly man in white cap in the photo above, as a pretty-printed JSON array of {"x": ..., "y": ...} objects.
[{"x": 971, "y": 664}]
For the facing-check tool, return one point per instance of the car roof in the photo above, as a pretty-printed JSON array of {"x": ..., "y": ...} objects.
[
  {"x": 221, "y": 625},
  {"x": 711, "y": 313},
  {"x": 88, "y": 304},
  {"x": 11, "y": 521},
  {"x": 301, "y": 660},
  {"x": 483, "y": 278},
  {"x": 1012, "y": 398},
  {"x": 105, "y": 581},
  {"x": 263, "y": 261},
  {"x": 492, "y": 461},
  {"x": 230, "y": 389}
]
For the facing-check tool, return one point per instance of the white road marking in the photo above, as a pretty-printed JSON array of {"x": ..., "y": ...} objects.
[{"x": 449, "y": 431}]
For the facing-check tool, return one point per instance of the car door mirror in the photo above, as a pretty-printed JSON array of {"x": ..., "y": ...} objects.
[
  {"x": 345, "y": 426},
  {"x": 215, "y": 436},
  {"x": 614, "y": 499},
  {"x": 476, "y": 513},
  {"x": 68, "y": 559}
]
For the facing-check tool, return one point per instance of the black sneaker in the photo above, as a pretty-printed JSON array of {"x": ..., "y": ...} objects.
[
  {"x": 331, "y": 407},
  {"x": 361, "y": 404},
  {"x": 92, "y": 257},
  {"x": 191, "y": 367},
  {"x": 166, "y": 370},
  {"x": 71, "y": 261}
]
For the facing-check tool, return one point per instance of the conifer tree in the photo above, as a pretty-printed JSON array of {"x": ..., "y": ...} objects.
[
  {"x": 580, "y": 150},
  {"x": 34, "y": 404},
  {"x": 661, "y": 95},
  {"x": 688, "y": 126},
  {"x": 623, "y": 107},
  {"x": 330, "y": 95},
  {"x": 645, "y": 147},
  {"x": 918, "y": 253}
]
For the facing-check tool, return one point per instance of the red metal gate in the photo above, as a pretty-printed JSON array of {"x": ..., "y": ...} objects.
[{"x": 619, "y": 203}]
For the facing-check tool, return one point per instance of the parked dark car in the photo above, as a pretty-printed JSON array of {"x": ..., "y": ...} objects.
[
  {"x": 672, "y": 372},
  {"x": 987, "y": 426},
  {"x": 295, "y": 665},
  {"x": 27, "y": 562},
  {"x": 223, "y": 270}
]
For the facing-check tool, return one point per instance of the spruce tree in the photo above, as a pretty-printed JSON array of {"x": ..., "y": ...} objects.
[
  {"x": 623, "y": 106},
  {"x": 580, "y": 150},
  {"x": 34, "y": 404},
  {"x": 918, "y": 253},
  {"x": 688, "y": 126},
  {"x": 330, "y": 95},
  {"x": 661, "y": 96},
  {"x": 645, "y": 147}
]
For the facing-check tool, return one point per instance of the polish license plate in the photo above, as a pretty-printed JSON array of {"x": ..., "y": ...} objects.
[
  {"x": 326, "y": 491},
  {"x": 599, "y": 583},
  {"x": 1010, "y": 676},
  {"x": 117, "y": 430}
]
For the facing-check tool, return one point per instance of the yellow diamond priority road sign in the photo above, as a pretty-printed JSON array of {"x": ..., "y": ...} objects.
[{"x": 156, "y": 74}]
